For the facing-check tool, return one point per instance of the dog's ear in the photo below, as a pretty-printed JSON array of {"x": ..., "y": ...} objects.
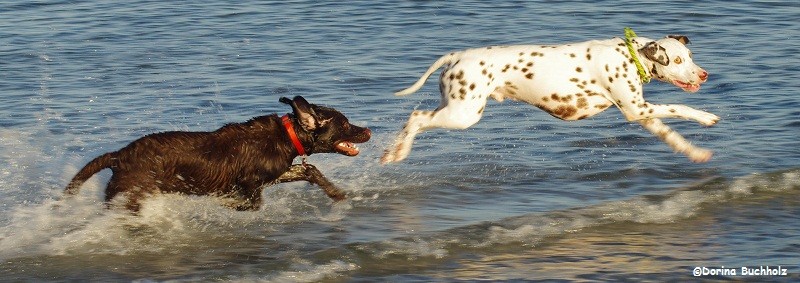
[
  {"x": 655, "y": 52},
  {"x": 303, "y": 111},
  {"x": 681, "y": 38}
]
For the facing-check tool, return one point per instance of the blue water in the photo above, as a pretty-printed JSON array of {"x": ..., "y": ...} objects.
[{"x": 519, "y": 196}]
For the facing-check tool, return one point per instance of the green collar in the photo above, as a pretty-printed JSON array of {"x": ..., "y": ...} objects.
[{"x": 629, "y": 34}]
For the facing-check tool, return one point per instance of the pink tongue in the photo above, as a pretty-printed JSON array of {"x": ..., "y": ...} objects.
[
  {"x": 687, "y": 87},
  {"x": 347, "y": 148}
]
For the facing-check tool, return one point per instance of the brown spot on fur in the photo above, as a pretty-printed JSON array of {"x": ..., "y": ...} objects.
[
  {"x": 472, "y": 86},
  {"x": 578, "y": 69},
  {"x": 564, "y": 111},
  {"x": 582, "y": 103},
  {"x": 529, "y": 76}
]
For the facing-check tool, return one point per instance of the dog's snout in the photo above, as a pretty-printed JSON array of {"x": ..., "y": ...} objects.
[
  {"x": 703, "y": 75},
  {"x": 364, "y": 135}
]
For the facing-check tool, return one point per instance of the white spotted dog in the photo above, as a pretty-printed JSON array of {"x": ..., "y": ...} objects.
[{"x": 571, "y": 82}]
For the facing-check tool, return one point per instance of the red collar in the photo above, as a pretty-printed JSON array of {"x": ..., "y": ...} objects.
[{"x": 287, "y": 123}]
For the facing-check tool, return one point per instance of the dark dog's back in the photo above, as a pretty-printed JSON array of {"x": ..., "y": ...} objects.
[{"x": 195, "y": 162}]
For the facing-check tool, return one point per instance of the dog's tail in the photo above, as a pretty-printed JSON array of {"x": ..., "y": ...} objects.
[
  {"x": 101, "y": 162},
  {"x": 438, "y": 64}
]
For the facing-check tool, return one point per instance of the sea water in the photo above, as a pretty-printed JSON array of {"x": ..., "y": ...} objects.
[{"x": 518, "y": 196}]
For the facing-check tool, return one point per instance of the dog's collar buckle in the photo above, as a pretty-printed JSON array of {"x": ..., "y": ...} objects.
[{"x": 287, "y": 123}]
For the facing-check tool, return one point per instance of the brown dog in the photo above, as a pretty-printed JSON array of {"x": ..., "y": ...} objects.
[{"x": 234, "y": 161}]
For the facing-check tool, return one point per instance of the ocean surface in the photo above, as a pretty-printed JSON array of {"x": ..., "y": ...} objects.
[{"x": 519, "y": 196}]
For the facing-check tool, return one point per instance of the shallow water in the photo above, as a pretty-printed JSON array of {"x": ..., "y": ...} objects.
[{"x": 520, "y": 195}]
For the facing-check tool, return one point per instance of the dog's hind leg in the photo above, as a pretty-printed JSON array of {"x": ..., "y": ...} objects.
[
  {"x": 132, "y": 187},
  {"x": 453, "y": 114}
]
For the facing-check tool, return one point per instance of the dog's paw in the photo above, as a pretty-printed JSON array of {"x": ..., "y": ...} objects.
[
  {"x": 395, "y": 153},
  {"x": 339, "y": 197},
  {"x": 389, "y": 156},
  {"x": 700, "y": 155},
  {"x": 708, "y": 119}
]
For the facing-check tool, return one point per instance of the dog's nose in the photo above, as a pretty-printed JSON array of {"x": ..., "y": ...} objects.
[
  {"x": 703, "y": 75},
  {"x": 367, "y": 133}
]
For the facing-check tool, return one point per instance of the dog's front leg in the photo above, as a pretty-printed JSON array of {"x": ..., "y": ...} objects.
[
  {"x": 646, "y": 110},
  {"x": 676, "y": 141},
  {"x": 311, "y": 174}
]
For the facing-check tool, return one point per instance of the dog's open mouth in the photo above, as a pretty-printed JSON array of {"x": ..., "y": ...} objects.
[
  {"x": 347, "y": 148},
  {"x": 686, "y": 86}
]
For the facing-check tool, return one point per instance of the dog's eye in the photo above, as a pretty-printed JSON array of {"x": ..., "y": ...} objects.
[{"x": 678, "y": 60}]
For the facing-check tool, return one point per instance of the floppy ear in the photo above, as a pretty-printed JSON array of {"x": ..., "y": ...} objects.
[
  {"x": 302, "y": 110},
  {"x": 682, "y": 38},
  {"x": 655, "y": 52}
]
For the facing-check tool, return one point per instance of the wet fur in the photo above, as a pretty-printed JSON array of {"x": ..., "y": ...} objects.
[{"x": 235, "y": 161}]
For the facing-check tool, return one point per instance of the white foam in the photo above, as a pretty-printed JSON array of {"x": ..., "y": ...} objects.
[
  {"x": 166, "y": 222},
  {"x": 307, "y": 272},
  {"x": 411, "y": 248},
  {"x": 672, "y": 207}
]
